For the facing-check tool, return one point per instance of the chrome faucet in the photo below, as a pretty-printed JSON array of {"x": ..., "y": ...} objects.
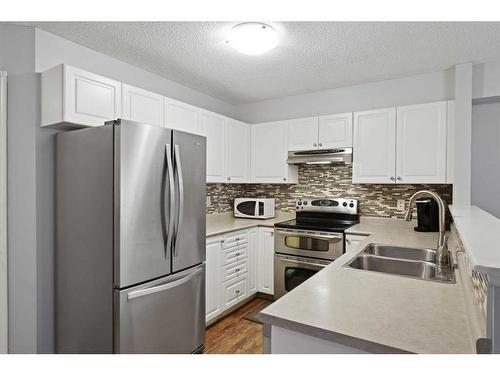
[{"x": 442, "y": 257}]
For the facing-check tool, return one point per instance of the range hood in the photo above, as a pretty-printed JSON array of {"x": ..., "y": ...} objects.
[{"x": 328, "y": 156}]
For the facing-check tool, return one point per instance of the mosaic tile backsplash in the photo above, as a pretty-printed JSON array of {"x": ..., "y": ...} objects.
[{"x": 321, "y": 181}]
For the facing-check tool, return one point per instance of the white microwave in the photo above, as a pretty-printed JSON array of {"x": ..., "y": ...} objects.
[{"x": 254, "y": 208}]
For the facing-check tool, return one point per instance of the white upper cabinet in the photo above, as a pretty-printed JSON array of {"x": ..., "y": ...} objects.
[
  {"x": 303, "y": 134},
  {"x": 238, "y": 152},
  {"x": 450, "y": 143},
  {"x": 374, "y": 146},
  {"x": 269, "y": 154},
  {"x": 214, "y": 128},
  {"x": 421, "y": 143},
  {"x": 141, "y": 105},
  {"x": 72, "y": 97},
  {"x": 182, "y": 116},
  {"x": 335, "y": 131}
]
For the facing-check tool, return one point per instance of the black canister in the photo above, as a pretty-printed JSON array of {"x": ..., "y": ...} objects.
[{"x": 427, "y": 215}]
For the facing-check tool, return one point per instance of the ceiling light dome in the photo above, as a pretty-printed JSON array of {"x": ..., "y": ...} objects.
[{"x": 252, "y": 38}]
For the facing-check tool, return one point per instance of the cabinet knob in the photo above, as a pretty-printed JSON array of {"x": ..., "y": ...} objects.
[
  {"x": 320, "y": 144},
  {"x": 399, "y": 178},
  {"x": 237, "y": 254},
  {"x": 229, "y": 178},
  {"x": 392, "y": 178},
  {"x": 237, "y": 291},
  {"x": 237, "y": 269},
  {"x": 348, "y": 241},
  {"x": 284, "y": 178},
  {"x": 315, "y": 144}
]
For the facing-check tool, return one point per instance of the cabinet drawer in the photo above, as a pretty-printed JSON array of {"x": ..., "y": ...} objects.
[
  {"x": 234, "y": 270},
  {"x": 235, "y": 239},
  {"x": 235, "y": 291},
  {"x": 234, "y": 254}
]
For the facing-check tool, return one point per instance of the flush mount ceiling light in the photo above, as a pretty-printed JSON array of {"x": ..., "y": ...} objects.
[{"x": 252, "y": 38}]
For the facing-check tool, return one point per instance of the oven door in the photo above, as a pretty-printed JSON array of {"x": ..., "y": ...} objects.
[
  {"x": 309, "y": 244},
  {"x": 290, "y": 272}
]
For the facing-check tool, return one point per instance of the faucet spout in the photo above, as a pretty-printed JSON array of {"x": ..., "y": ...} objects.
[{"x": 442, "y": 246}]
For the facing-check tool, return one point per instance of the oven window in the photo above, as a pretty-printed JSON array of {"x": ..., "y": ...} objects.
[
  {"x": 247, "y": 208},
  {"x": 306, "y": 243},
  {"x": 294, "y": 276}
]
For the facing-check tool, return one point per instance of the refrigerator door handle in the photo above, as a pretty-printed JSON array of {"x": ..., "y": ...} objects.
[
  {"x": 163, "y": 287},
  {"x": 168, "y": 151},
  {"x": 178, "y": 170}
]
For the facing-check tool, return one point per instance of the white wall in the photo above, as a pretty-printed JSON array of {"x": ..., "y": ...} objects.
[
  {"x": 408, "y": 90},
  {"x": 17, "y": 57},
  {"x": 486, "y": 157},
  {"x": 53, "y": 50},
  {"x": 486, "y": 80}
]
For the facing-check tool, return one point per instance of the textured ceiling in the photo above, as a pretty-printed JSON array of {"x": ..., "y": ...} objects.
[{"x": 311, "y": 56}]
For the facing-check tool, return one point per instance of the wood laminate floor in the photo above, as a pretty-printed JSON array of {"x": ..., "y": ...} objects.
[{"x": 235, "y": 335}]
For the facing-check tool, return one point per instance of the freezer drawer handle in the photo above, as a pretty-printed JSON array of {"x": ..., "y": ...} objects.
[
  {"x": 177, "y": 158},
  {"x": 163, "y": 287},
  {"x": 168, "y": 151}
]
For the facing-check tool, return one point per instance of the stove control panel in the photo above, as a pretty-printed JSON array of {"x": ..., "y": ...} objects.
[{"x": 337, "y": 205}]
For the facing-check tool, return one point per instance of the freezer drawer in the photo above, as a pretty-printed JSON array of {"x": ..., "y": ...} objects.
[{"x": 164, "y": 316}]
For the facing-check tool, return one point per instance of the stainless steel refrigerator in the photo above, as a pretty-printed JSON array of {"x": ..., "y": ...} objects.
[{"x": 130, "y": 240}]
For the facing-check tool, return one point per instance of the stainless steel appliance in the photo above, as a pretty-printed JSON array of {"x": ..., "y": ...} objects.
[
  {"x": 130, "y": 240},
  {"x": 327, "y": 156},
  {"x": 312, "y": 240},
  {"x": 254, "y": 208}
]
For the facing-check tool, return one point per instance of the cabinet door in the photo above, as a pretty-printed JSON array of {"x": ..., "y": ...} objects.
[
  {"x": 90, "y": 99},
  {"x": 450, "y": 141},
  {"x": 303, "y": 134},
  {"x": 213, "y": 283},
  {"x": 266, "y": 260},
  {"x": 421, "y": 143},
  {"x": 374, "y": 146},
  {"x": 182, "y": 116},
  {"x": 238, "y": 149},
  {"x": 335, "y": 131},
  {"x": 214, "y": 127},
  {"x": 142, "y": 105},
  {"x": 253, "y": 259},
  {"x": 269, "y": 152}
]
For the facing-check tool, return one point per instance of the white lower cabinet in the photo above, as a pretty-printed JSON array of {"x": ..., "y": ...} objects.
[
  {"x": 352, "y": 241},
  {"x": 235, "y": 291},
  {"x": 253, "y": 259},
  {"x": 239, "y": 264},
  {"x": 266, "y": 260},
  {"x": 212, "y": 280}
]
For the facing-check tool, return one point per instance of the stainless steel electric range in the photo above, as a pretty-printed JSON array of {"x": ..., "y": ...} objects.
[{"x": 312, "y": 240}]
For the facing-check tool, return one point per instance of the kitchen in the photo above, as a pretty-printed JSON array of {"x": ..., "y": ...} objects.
[{"x": 271, "y": 216}]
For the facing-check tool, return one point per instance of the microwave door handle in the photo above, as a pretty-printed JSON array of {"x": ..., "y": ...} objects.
[
  {"x": 168, "y": 152},
  {"x": 180, "y": 181}
]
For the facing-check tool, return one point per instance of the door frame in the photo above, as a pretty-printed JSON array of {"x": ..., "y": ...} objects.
[{"x": 3, "y": 215}]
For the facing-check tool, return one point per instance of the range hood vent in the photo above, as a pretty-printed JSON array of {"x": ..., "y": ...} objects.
[{"x": 329, "y": 156}]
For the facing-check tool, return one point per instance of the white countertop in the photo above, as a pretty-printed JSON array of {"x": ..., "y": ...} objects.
[
  {"x": 226, "y": 222},
  {"x": 480, "y": 235},
  {"x": 378, "y": 312}
]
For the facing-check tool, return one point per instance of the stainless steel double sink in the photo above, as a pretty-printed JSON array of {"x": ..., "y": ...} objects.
[{"x": 403, "y": 261}]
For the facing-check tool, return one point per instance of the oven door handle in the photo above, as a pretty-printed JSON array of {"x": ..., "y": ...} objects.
[
  {"x": 316, "y": 236},
  {"x": 299, "y": 263}
]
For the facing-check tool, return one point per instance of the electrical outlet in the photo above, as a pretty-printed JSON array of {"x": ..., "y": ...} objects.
[
  {"x": 401, "y": 205},
  {"x": 209, "y": 201}
]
